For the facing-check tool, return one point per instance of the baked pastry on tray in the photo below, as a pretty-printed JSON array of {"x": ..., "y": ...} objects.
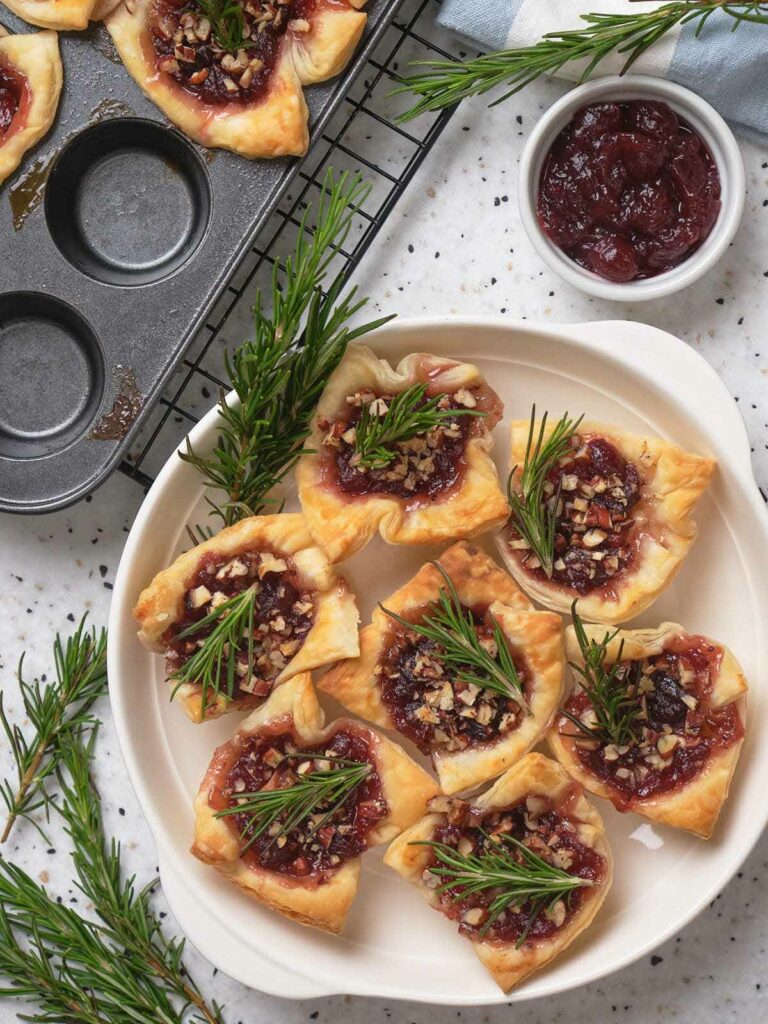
[
  {"x": 619, "y": 508},
  {"x": 237, "y": 83},
  {"x": 668, "y": 748},
  {"x": 60, "y": 14},
  {"x": 288, "y": 806},
  {"x": 264, "y": 582},
  {"x": 475, "y": 712},
  {"x": 31, "y": 77},
  {"x": 404, "y": 452},
  {"x": 523, "y": 868}
]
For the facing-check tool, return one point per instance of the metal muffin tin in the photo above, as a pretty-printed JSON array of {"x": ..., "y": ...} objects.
[{"x": 119, "y": 235}]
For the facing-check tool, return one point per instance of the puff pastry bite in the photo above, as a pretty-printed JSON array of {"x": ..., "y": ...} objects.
[
  {"x": 408, "y": 681},
  {"x": 60, "y": 14},
  {"x": 622, "y": 508},
  {"x": 240, "y": 89},
  {"x": 264, "y": 579},
  {"x": 684, "y": 709},
  {"x": 437, "y": 485},
  {"x": 31, "y": 76},
  {"x": 534, "y": 816},
  {"x": 299, "y": 852}
]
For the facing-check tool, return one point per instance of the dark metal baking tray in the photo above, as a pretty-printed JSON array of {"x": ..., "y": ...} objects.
[{"x": 118, "y": 236}]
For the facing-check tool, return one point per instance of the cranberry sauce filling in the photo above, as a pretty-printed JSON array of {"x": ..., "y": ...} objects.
[
  {"x": 11, "y": 88},
  {"x": 188, "y": 48},
  {"x": 548, "y": 831},
  {"x": 424, "y": 467},
  {"x": 283, "y": 615},
  {"x": 598, "y": 489},
  {"x": 434, "y": 708},
  {"x": 314, "y": 846},
  {"x": 676, "y": 729},
  {"x": 628, "y": 190}
]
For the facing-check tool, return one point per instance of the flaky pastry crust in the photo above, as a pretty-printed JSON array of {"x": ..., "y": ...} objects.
[
  {"x": 275, "y": 124},
  {"x": 673, "y": 480},
  {"x": 538, "y": 776},
  {"x": 406, "y": 788},
  {"x": 479, "y": 583},
  {"x": 35, "y": 57},
  {"x": 334, "y": 630},
  {"x": 343, "y": 524},
  {"x": 696, "y": 805},
  {"x": 56, "y": 14}
]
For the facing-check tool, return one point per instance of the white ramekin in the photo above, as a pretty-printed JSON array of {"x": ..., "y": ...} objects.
[{"x": 702, "y": 117}]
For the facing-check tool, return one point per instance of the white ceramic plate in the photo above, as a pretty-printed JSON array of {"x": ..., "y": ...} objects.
[{"x": 394, "y": 945}]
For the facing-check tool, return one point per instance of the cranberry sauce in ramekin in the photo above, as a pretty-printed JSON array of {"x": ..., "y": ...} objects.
[{"x": 628, "y": 190}]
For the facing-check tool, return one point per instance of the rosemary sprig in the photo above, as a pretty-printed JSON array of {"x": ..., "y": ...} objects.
[
  {"x": 533, "y": 513},
  {"x": 54, "y": 709},
  {"x": 406, "y": 416},
  {"x": 612, "y": 695},
  {"x": 445, "y": 82},
  {"x": 126, "y": 915},
  {"x": 514, "y": 875},
  {"x": 214, "y": 665},
  {"x": 326, "y": 790},
  {"x": 453, "y": 629},
  {"x": 228, "y": 25},
  {"x": 279, "y": 375},
  {"x": 119, "y": 971}
]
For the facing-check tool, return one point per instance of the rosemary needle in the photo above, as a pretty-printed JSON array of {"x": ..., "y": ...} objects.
[
  {"x": 611, "y": 690},
  {"x": 443, "y": 83},
  {"x": 228, "y": 25},
  {"x": 453, "y": 629},
  {"x": 534, "y": 513},
  {"x": 509, "y": 872},
  {"x": 407, "y": 415},
  {"x": 292, "y": 806}
]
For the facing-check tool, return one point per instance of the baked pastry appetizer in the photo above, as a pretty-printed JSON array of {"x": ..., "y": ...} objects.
[
  {"x": 236, "y": 81},
  {"x": 288, "y": 806},
  {"x": 60, "y": 14},
  {"x": 459, "y": 663},
  {"x": 31, "y": 76},
  {"x": 403, "y": 452},
  {"x": 599, "y": 515},
  {"x": 243, "y": 612},
  {"x": 523, "y": 868},
  {"x": 656, "y": 724}
]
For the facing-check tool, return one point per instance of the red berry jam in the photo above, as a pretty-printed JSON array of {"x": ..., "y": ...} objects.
[
  {"x": 11, "y": 89},
  {"x": 628, "y": 190}
]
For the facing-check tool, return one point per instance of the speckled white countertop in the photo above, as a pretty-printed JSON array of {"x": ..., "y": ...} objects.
[{"x": 454, "y": 244}]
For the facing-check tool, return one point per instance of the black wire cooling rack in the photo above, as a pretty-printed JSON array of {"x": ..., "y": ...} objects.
[{"x": 363, "y": 136}]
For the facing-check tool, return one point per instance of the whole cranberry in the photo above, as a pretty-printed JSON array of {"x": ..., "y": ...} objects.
[
  {"x": 610, "y": 256},
  {"x": 591, "y": 123},
  {"x": 652, "y": 118},
  {"x": 649, "y": 206},
  {"x": 643, "y": 156}
]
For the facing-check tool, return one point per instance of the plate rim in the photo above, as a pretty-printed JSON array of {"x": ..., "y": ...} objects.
[{"x": 595, "y": 336}]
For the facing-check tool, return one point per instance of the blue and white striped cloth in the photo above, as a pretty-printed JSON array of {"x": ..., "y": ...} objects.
[{"x": 730, "y": 69}]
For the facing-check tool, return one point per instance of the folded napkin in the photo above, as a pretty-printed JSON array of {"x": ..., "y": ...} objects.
[{"x": 724, "y": 67}]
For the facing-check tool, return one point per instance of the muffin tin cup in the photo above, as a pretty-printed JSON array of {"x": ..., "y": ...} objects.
[{"x": 122, "y": 235}]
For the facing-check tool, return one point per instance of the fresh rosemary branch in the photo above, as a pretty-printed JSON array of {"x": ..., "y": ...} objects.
[
  {"x": 453, "y": 629},
  {"x": 213, "y": 666},
  {"x": 326, "y": 791},
  {"x": 445, "y": 82},
  {"x": 533, "y": 513},
  {"x": 279, "y": 376},
  {"x": 228, "y": 26},
  {"x": 612, "y": 695},
  {"x": 406, "y": 416},
  {"x": 512, "y": 874},
  {"x": 126, "y": 915},
  {"x": 53, "y": 709}
]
